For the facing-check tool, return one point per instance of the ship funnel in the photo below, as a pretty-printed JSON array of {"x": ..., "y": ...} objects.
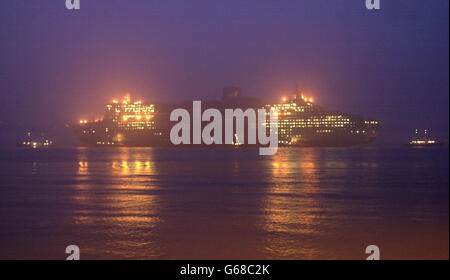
[{"x": 298, "y": 93}]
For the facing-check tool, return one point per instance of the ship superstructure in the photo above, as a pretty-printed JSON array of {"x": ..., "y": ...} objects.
[
  {"x": 127, "y": 115},
  {"x": 125, "y": 123}
]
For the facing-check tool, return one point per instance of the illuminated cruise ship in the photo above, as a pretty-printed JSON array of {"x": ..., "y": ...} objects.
[
  {"x": 125, "y": 123},
  {"x": 300, "y": 122}
]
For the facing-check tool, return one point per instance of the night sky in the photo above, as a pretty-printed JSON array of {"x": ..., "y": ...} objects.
[{"x": 57, "y": 66}]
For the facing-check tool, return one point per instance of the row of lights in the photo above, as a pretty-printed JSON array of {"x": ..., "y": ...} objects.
[
  {"x": 138, "y": 117},
  {"x": 126, "y": 100},
  {"x": 306, "y": 99}
]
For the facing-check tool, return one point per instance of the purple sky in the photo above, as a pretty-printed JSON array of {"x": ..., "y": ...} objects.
[{"x": 58, "y": 65}]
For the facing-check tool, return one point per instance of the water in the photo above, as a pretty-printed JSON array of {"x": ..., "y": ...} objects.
[{"x": 149, "y": 203}]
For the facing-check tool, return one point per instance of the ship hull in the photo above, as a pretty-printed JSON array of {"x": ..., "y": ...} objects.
[
  {"x": 334, "y": 138},
  {"x": 112, "y": 137},
  {"x": 434, "y": 145},
  {"x": 154, "y": 139}
]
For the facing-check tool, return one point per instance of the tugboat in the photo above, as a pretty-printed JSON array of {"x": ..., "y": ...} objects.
[
  {"x": 34, "y": 144},
  {"x": 424, "y": 141}
]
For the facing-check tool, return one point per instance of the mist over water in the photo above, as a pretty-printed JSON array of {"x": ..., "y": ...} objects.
[
  {"x": 196, "y": 203},
  {"x": 60, "y": 66}
]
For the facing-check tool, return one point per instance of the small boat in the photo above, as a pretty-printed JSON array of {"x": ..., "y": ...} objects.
[
  {"x": 425, "y": 141},
  {"x": 236, "y": 143},
  {"x": 34, "y": 144}
]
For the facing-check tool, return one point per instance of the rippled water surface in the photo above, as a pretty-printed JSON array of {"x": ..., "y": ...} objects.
[{"x": 149, "y": 203}]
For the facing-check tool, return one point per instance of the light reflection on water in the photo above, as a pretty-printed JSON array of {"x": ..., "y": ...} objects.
[
  {"x": 288, "y": 218},
  {"x": 224, "y": 203},
  {"x": 126, "y": 206}
]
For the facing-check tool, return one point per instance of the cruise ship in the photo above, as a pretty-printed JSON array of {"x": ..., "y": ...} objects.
[
  {"x": 300, "y": 122},
  {"x": 125, "y": 123},
  {"x": 303, "y": 123}
]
